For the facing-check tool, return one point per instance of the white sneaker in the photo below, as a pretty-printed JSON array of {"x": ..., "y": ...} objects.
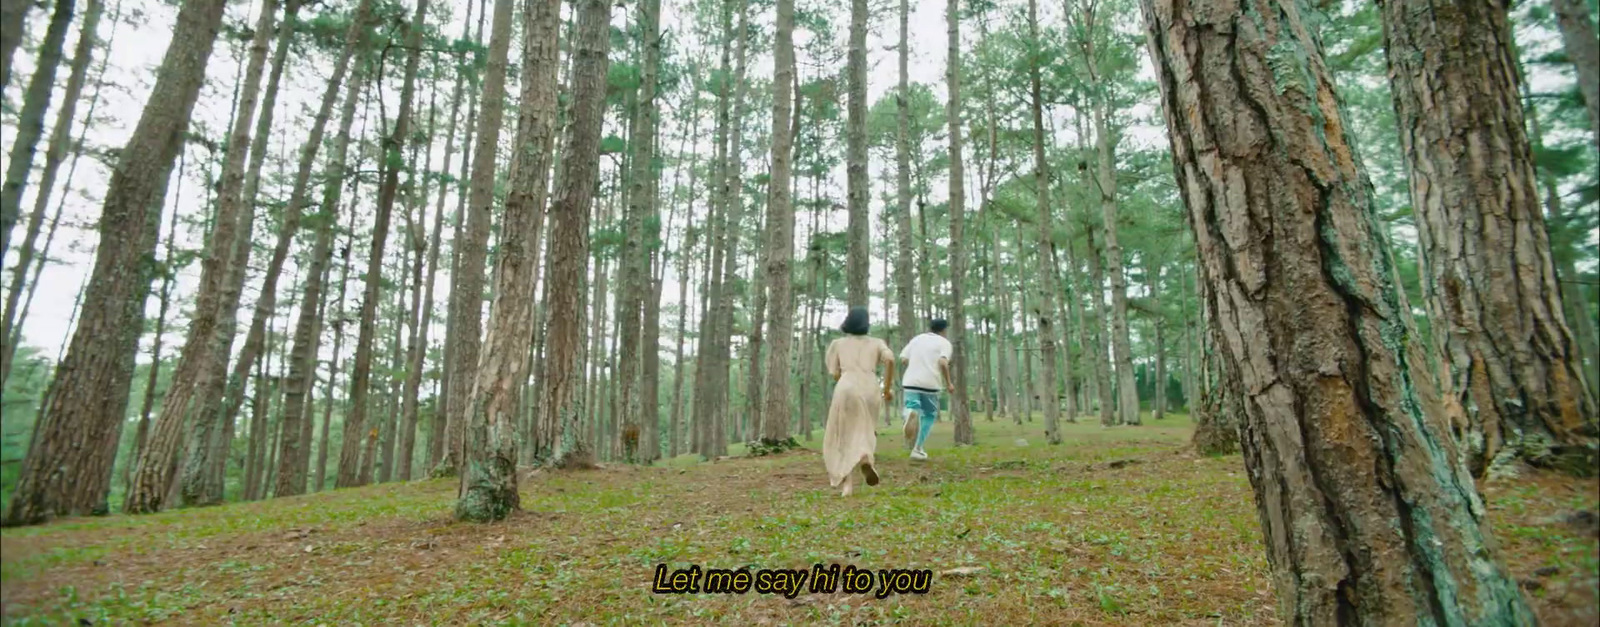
[{"x": 918, "y": 455}]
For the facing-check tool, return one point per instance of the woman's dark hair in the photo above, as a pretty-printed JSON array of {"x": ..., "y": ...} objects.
[{"x": 856, "y": 322}]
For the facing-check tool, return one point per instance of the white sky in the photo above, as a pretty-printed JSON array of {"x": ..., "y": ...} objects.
[{"x": 141, "y": 39}]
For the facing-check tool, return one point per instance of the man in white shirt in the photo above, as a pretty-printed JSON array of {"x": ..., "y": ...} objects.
[{"x": 926, "y": 364}]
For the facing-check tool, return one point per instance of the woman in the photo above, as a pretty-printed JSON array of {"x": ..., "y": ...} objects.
[{"x": 849, "y": 439}]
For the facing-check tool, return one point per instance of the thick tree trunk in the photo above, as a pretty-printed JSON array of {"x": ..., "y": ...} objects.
[
  {"x": 780, "y": 233},
  {"x": 1583, "y": 50},
  {"x": 350, "y": 466},
  {"x": 30, "y": 121},
  {"x": 1045, "y": 307},
  {"x": 196, "y": 360},
  {"x": 60, "y": 142},
  {"x": 68, "y": 468},
  {"x": 1368, "y": 512},
  {"x": 488, "y": 489},
  {"x": 569, "y": 239},
  {"x": 1488, "y": 279},
  {"x": 958, "y": 256}
]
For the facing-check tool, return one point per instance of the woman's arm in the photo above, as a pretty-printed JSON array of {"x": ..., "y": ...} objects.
[{"x": 888, "y": 381}]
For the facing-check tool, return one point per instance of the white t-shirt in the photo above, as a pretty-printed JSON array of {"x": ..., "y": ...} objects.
[{"x": 922, "y": 355}]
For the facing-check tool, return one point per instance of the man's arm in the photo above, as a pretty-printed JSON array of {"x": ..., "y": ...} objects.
[{"x": 949, "y": 381}]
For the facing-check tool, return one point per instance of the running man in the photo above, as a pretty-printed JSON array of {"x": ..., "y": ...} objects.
[{"x": 926, "y": 360}]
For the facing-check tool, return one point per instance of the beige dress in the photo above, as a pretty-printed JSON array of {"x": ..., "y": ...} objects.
[{"x": 849, "y": 439}]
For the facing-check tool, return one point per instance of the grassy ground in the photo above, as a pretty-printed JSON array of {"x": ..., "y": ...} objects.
[{"x": 1115, "y": 527}]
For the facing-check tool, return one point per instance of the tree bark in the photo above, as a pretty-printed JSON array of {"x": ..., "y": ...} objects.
[
  {"x": 1045, "y": 306},
  {"x": 466, "y": 279},
  {"x": 68, "y": 469},
  {"x": 569, "y": 242},
  {"x": 958, "y": 256},
  {"x": 643, "y": 174},
  {"x": 196, "y": 359},
  {"x": 1583, "y": 50},
  {"x": 780, "y": 233},
  {"x": 205, "y": 471},
  {"x": 488, "y": 489},
  {"x": 1489, "y": 282},
  {"x": 1102, "y": 369},
  {"x": 30, "y": 120},
  {"x": 337, "y": 314},
  {"x": 856, "y": 159},
  {"x": 1368, "y": 512},
  {"x": 350, "y": 455},
  {"x": 168, "y": 273}
]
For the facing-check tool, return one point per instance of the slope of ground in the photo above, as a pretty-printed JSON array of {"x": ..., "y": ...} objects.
[{"x": 1115, "y": 527}]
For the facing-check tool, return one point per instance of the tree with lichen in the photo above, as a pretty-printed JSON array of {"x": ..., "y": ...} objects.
[
  {"x": 1368, "y": 512},
  {"x": 1513, "y": 385}
]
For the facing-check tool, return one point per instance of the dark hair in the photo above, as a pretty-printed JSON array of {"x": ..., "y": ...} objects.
[
  {"x": 855, "y": 323},
  {"x": 938, "y": 325}
]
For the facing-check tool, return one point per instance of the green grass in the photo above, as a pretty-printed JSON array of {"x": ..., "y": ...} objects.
[{"x": 1062, "y": 535}]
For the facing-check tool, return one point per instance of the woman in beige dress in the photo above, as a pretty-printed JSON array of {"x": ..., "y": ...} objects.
[{"x": 849, "y": 440}]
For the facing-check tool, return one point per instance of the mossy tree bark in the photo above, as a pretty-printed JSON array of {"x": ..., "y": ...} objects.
[
  {"x": 1367, "y": 510},
  {"x": 488, "y": 488},
  {"x": 1488, "y": 279},
  {"x": 559, "y": 430}
]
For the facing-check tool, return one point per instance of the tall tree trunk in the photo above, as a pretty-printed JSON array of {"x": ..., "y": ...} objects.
[
  {"x": 1342, "y": 436},
  {"x": 856, "y": 158},
  {"x": 466, "y": 280},
  {"x": 30, "y": 121},
  {"x": 780, "y": 233},
  {"x": 634, "y": 267},
  {"x": 266, "y": 304},
  {"x": 1489, "y": 282},
  {"x": 1044, "y": 308},
  {"x": 1121, "y": 347},
  {"x": 80, "y": 424},
  {"x": 1153, "y": 279},
  {"x": 905, "y": 290},
  {"x": 569, "y": 238},
  {"x": 196, "y": 360},
  {"x": 361, "y": 371},
  {"x": 958, "y": 256},
  {"x": 488, "y": 489},
  {"x": 447, "y": 428},
  {"x": 307, "y": 328},
  {"x": 1583, "y": 50},
  {"x": 59, "y": 143},
  {"x": 204, "y": 474},
  {"x": 417, "y": 318},
  {"x": 685, "y": 250}
]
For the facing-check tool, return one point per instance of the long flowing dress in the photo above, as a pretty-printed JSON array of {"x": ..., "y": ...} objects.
[{"x": 849, "y": 439}]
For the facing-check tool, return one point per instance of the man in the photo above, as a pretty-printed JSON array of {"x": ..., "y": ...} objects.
[{"x": 926, "y": 363}]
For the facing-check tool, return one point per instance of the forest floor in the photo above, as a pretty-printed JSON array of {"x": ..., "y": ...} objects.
[{"x": 1114, "y": 527}]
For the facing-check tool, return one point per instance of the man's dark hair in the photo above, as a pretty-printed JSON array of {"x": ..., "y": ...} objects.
[{"x": 938, "y": 325}]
